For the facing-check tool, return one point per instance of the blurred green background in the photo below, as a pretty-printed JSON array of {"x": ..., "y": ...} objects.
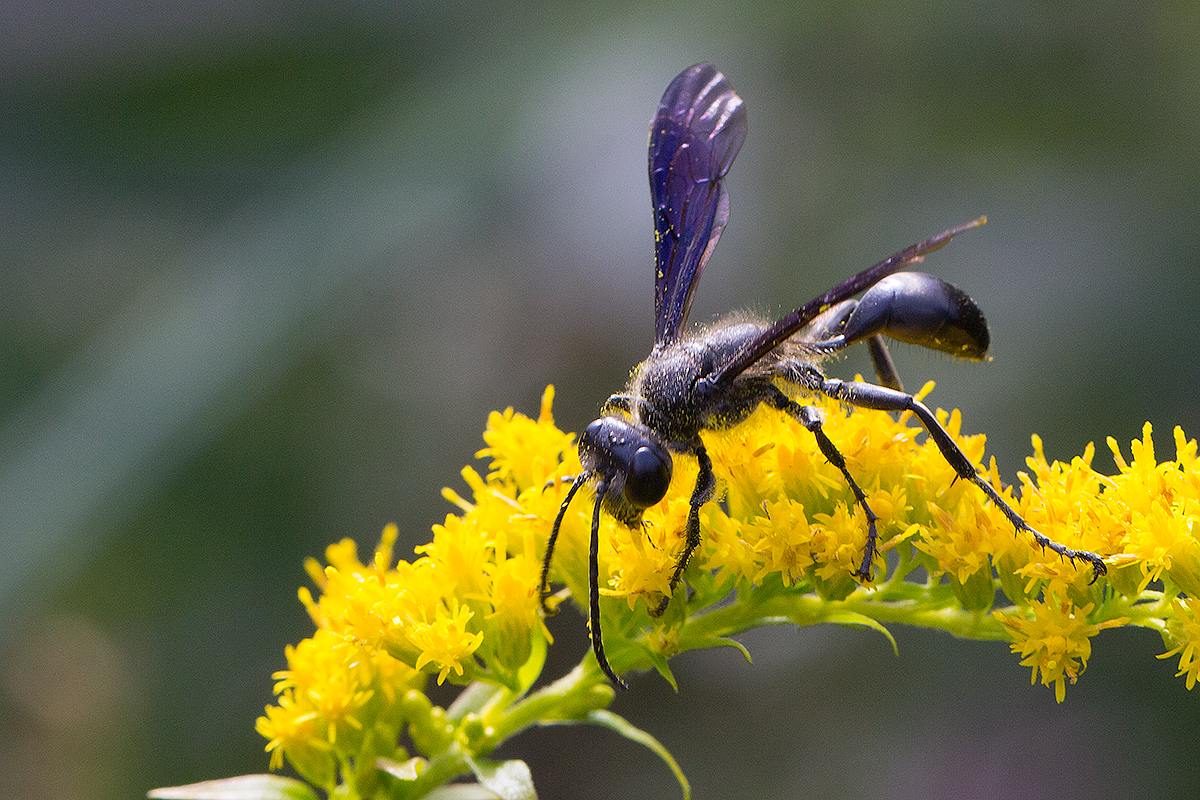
[{"x": 266, "y": 268}]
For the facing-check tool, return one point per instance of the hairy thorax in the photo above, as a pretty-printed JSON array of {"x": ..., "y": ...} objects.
[{"x": 662, "y": 390}]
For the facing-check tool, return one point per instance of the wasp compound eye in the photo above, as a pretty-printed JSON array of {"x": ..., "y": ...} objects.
[{"x": 649, "y": 477}]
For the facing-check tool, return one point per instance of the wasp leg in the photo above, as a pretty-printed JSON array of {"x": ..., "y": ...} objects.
[
  {"x": 811, "y": 418},
  {"x": 868, "y": 395},
  {"x": 885, "y": 368},
  {"x": 706, "y": 482}
]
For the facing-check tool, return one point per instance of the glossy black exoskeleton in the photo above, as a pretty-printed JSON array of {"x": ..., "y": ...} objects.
[{"x": 716, "y": 376}]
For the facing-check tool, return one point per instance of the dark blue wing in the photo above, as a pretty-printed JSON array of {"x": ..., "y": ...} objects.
[
  {"x": 781, "y": 331},
  {"x": 695, "y": 135}
]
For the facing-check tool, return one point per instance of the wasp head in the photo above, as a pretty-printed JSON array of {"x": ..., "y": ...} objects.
[{"x": 633, "y": 465}]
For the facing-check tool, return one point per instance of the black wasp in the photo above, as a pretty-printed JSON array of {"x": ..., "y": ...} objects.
[{"x": 714, "y": 377}]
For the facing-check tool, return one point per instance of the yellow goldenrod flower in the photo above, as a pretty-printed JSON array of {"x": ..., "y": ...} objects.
[
  {"x": 780, "y": 544},
  {"x": 1056, "y": 641},
  {"x": 1186, "y": 632},
  {"x": 287, "y": 727},
  {"x": 780, "y": 538},
  {"x": 525, "y": 452},
  {"x": 445, "y": 641}
]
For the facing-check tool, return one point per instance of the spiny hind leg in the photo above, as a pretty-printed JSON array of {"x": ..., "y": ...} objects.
[
  {"x": 881, "y": 398},
  {"x": 811, "y": 418}
]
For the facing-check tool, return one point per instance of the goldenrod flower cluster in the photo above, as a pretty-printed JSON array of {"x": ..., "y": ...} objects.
[{"x": 352, "y": 716}]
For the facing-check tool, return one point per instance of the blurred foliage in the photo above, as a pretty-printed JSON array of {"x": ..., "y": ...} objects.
[{"x": 150, "y": 157}]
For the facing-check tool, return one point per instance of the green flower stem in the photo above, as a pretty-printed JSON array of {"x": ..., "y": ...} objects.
[
  {"x": 439, "y": 771},
  {"x": 571, "y": 697},
  {"x": 477, "y": 698},
  {"x": 809, "y": 609},
  {"x": 1148, "y": 610}
]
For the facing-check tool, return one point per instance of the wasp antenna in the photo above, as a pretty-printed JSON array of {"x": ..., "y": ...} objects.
[{"x": 544, "y": 584}]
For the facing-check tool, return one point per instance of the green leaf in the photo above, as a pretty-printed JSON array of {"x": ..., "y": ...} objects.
[
  {"x": 664, "y": 668},
  {"x": 706, "y": 642},
  {"x": 855, "y": 620},
  {"x": 532, "y": 668},
  {"x": 722, "y": 641},
  {"x": 635, "y": 734},
  {"x": 243, "y": 787},
  {"x": 507, "y": 780}
]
